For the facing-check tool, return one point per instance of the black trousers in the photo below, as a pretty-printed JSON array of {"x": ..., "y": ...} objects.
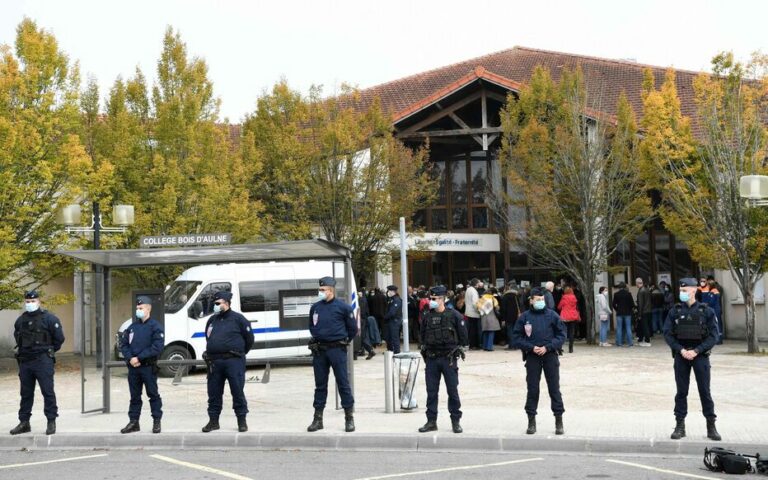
[
  {"x": 231, "y": 370},
  {"x": 473, "y": 330},
  {"x": 701, "y": 369},
  {"x": 448, "y": 368},
  {"x": 549, "y": 363},
  {"x": 37, "y": 370},
  {"x": 139, "y": 377},
  {"x": 644, "y": 328}
]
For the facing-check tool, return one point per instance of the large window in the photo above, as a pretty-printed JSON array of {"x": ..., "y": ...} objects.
[
  {"x": 263, "y": 296},
  {"x": 461, "y": 203}
]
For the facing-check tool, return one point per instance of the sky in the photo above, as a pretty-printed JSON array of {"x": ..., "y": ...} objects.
[{"x": 250, "y": 45}]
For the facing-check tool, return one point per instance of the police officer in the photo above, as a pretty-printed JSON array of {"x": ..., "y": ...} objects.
[
  {"x": 140, "y": 345},
  {"x": 38, "y": 335},
  {"x": 332, "y": 325},
  {"x": 539, "y": 333},
  {"x": 690, "y": 330},
  {"x": 228, "y": 338},
  {"x": 393, "y": 319},
  {"x": 444, "y": 338}
]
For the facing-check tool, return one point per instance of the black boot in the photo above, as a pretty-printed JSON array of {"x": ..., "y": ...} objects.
[
  {"x": 51, "y": 428},
  {"x": 22, "y": 427},
  {"x": 133, "y": 426},
  {"x": 531, "y": 425},
  {"x": 559, "y": 430},
  {"x": 456, "y": 426},
  {"x": 317, "y": 421},
  {"x": 156, "y": 426},
  {"x": 712, "y": 431},
  {"x": 679, "y": 430},
  {"x": 242, "y": 426},
  {"x": 430, "y": 426},
  {"x": 370, "y": 355},
  {"x": 570, "y": 347},
  {"x": 349, "y": 420},
  {"x": 213, "y": 424}
]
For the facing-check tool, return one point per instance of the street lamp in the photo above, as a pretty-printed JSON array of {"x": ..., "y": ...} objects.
[
  {"x": 122, "y": 216},
  {"x": 754, "y": 188}
]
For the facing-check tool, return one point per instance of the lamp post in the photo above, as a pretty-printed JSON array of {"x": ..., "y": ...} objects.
[
  {"x": 754, "y": 188},
  {"x": 122, "y": 216}
]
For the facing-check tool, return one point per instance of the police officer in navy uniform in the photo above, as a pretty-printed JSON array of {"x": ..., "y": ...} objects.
[
  {"x": 539, "y": 333},
  {"x": 393, "y": 319},
  {"x": 228, "y": 338},
  {"x": 38, "y": 336},
  {"x": 333, "y": 325},
  {"x": 444, "y": 339},
  {"x": 690, "y": 330},
  {"x": 141, "y": 344}
]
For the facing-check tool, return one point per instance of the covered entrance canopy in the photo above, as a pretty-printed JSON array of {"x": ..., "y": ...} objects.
[{"x": 104, "y": 261}]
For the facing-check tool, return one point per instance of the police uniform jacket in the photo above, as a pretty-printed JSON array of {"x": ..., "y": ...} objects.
[
  {"x": 228, "y": 332},
  {"x": 706, "y": 317},
  {"x": 142, "y": 340},
  {"x": 37, "y": 332},
  {"x": 331, "y": 321},
  {"x": 394, "y": 309},
  {"x": 462, "y": 338},
  {"x": 538, "y": 328}
]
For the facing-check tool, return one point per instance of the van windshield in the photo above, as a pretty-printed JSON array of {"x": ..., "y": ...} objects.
[{"x": 177, "y": 295}]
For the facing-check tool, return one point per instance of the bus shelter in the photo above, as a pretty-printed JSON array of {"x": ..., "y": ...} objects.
[{"x": 104, "y": 262}]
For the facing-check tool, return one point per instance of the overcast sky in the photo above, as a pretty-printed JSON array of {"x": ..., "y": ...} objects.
[{"x": 249, "y": 45}]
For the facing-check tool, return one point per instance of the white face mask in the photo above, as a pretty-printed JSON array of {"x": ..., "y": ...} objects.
[
  {"x": 31, "y": 307},
  {"x": 139, "y": 313},
  {"x": 390, "y": 293},
  {"x": 321, "y": 295},
  {"x": 216, "y": 308}
]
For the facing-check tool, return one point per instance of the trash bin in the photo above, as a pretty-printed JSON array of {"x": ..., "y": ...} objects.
[{"x": 406, "y": 370}]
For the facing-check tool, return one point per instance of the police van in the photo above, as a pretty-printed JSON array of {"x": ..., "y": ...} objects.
[{"x": 274, "y": 297}]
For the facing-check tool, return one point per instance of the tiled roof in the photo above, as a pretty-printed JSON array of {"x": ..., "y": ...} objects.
[{"x": 605, "y": 79}]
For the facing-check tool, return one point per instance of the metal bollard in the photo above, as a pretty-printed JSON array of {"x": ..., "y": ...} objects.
[{"x": 389, "y": 383}]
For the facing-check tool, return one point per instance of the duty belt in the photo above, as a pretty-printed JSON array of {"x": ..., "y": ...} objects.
[{"x": 223, "y": 356}]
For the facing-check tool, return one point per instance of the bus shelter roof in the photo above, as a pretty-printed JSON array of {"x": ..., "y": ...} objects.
[{"x": 300, "y": 250}]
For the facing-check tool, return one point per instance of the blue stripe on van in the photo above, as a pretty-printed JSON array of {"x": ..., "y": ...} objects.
[{"x": 255, "y": 331}]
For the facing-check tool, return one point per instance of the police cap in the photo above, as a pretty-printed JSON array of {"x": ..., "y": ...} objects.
[
  {"x": 392, "y": 288},
  {"x": 223, "y": 295},
  {"x": 327, "y": 282},
  {"x": 31, "y": 295},
  {"x": 438, "y": 291},
  {"x": 142, "y": 300},
  {"x": 689, "y": 282},
  {"x": 537, "y": 292}
]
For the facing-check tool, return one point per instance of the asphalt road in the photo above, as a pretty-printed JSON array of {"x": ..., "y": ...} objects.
[{"x": 300, "y": 465}]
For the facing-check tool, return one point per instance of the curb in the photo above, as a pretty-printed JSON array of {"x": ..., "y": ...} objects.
[{"x": 364, "y": 442}]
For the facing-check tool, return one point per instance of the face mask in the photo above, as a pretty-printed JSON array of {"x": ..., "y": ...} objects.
[
  {"x": 390, "y": 294},
  {"x": 433, "y": 304},
  {"x": 216, "y": 308},
  {"x": 684, "y": 297},
  {"x": 321, "y": 295},
  {"x": 539, "y": 305},
  {"x": 31, "y": 307},
  {"x": 139, "y": 313}
]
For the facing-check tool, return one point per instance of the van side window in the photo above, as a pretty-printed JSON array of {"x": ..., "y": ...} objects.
[
  {"x": 204, "y": 302},
  {"x": 262, "y": 296}
]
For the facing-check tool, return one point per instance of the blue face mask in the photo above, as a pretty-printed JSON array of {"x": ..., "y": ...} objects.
[
  {"x": 321, "y": 295},
  {"x": 433, "y": 304},
  {"x": 539, "y": 305},
  {"x": 139, "y": 313},
  {"x": 31, "y": 307},
  {"x": 216, "y": 308},
  {"x": 684, "y": 297}
]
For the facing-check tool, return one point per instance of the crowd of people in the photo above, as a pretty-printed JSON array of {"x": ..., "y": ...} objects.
[{"x": 491, "y": 312}]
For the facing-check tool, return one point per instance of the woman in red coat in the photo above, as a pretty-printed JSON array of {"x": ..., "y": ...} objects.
[{"x": 569, "y": 312}]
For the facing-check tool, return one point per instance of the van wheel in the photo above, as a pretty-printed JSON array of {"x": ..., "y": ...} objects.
[{"x": 174, "y": 352}]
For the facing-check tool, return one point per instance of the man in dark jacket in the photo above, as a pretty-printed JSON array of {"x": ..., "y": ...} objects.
[
  {"x": 539, "y": 333},
  {"x": 228, "y": 338},
  {"x": 141, "y": 344},
  {"x": 644, "y": 310},
  {"x": 510, "y": 310},
  {"x": 38, "y": 336},
  {"x": 623, "y": 305},
  {"x": 393, "y": 319}
]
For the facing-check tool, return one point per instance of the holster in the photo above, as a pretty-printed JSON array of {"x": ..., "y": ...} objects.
[
  {"x": 208, "y": 364},
  {"x": 152, "y": 362}
]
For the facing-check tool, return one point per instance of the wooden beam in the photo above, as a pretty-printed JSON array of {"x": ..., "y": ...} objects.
[
  {"x": 450, "y": 133},
  {"x": 484, "y": 108},
  {"x": 442, "y": 113},
  {"x": 464, "y": 125},
  {"x": 497, "y": 97}
]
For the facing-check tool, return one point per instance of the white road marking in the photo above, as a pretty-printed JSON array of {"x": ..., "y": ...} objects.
[
  {"x": 202, "y": 468},
  {"x": 662, "y": 470},
  {"x": 451, "y": 469},
  {"x": 17, "y": 465}
]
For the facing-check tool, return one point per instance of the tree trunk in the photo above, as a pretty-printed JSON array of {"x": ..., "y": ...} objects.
[
  {"x": 590, "y": 316},
  {"x": 749, "y": 305}
]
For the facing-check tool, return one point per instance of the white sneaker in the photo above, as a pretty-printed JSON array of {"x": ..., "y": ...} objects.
[
  {"x": 606, "y": 344},
  {"x": 645, "y": 344}
]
